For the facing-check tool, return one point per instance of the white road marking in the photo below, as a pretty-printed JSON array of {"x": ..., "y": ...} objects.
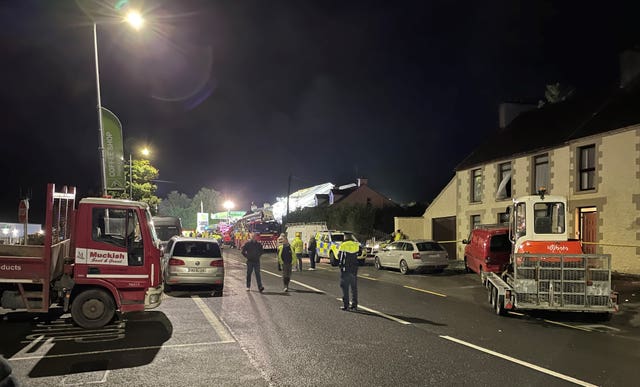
[
  {"x": 213, "y": 320},
  {"x": 119, "y": 350},
  {"x": 425, "y": 291},
  {"x": 381, "y": 314},
  {"x": 567, "y": 325},
  {"x": 295, "y": 282},
  {"x": 101, "y": 381},
  {"x": 521, "y": 362}
]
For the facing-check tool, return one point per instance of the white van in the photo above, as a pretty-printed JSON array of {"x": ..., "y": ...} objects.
[{"x": 306, "y": 230}]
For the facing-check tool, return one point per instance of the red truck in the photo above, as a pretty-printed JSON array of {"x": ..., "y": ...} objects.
[{"x": 96, "y": 259}]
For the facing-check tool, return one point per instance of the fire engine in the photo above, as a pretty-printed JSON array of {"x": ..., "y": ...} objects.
[
  {"x": 96, "y": 259},
  {"x": 260, "y": 223}
]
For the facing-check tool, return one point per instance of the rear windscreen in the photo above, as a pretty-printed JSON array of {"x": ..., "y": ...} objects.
[
  {"x": 197, "y": 250},
  {"x": 429, "y": 246},
  {"x": 166, "y": 232},
  {"x": 500, "y": 243}
]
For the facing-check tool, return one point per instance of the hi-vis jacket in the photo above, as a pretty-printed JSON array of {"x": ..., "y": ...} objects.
[
  {"x": 348, "y": 256},
  {"x": 297, "y": 245}
]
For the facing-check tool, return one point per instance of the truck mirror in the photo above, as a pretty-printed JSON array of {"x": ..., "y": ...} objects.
[{"x": 465, "y": 241}]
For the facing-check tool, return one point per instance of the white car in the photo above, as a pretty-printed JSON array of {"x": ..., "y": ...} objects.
[
  {"x": 193, "y": 261},
  {"x": 408, "y": 255}
]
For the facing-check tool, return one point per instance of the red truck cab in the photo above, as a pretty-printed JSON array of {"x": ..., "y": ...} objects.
[{"x": 95, "y": 260}]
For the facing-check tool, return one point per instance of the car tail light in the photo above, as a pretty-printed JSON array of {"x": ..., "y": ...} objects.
[
  {"x": 176, "y": 262},
  {"x": 416, "y": 255},
  {"x": 217, "y": 263}
]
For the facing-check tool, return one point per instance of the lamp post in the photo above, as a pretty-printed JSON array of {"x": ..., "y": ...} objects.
[
  {"x": 228, "y": 205},
  {"x": 146, "y": 152},
  {"x": 135, "y": 20}
]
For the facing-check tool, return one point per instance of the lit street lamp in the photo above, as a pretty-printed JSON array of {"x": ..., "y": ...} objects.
[
  {"x": 228, "y": 205},
  {"x": 136, "y": 21}
]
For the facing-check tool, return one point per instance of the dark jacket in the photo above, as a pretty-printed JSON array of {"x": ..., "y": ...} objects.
[
  {"x": 348, "y": 256},
  {"x": 252, "y": 250},
  {"x": 311, "y": 246}
]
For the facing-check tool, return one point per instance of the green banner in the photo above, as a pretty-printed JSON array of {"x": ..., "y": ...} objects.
[{"x": 113, "y": 151}]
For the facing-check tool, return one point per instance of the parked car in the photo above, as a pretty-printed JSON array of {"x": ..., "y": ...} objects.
[
  {"x": 487, "y": 249},
  {"x": 408, "y": 255},
  {"x": 193, "y": 261}
]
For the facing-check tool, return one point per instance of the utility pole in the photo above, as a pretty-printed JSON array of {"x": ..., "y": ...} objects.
[{"x": 288, "y": 194}]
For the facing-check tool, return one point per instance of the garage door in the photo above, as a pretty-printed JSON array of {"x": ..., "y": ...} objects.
[{"x": 444, "y": 229}]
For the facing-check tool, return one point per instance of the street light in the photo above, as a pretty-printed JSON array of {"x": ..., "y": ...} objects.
[
  {"x": 136, "y": 21},
  {"x": 228, "y": 205}
]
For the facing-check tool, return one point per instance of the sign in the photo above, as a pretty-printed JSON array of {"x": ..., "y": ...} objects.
[
  {"x": 203, "y": 221},
  {"x": 23, "y": 211},
  {"x": 113, "y": 151}
]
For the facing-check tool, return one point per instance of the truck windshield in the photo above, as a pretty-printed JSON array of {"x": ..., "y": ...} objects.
[
  {"x": 266, "y": 227},
  {"x": 152, "y": 229}
]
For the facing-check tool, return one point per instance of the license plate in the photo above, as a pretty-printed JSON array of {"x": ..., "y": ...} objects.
[{"x": 196, "y": 269}]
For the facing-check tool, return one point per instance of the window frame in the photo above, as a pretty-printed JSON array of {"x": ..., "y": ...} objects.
[
  {"x": 587, "y": 174},
  {"x": 503, "y": 169},
  {"x": 536, "y": 162},
  {"x": 476, "y": 185}
]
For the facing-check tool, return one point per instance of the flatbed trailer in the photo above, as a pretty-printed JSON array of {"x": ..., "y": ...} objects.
[{"x": 553, "y": 282}]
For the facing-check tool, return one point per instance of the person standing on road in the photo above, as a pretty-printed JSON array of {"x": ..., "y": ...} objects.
[
  {"x": 279, "y": 242},
  {"x": 286, "y": 258},
  {"x": 399, "y": 235},
  {"x": 311, "y": 248},
  {"x": 298, "y": 246},
  {"x": 252, "y": 250},
  {"x": 348, "y": 264}
]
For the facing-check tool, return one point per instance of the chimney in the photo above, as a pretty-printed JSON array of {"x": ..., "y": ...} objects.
[
  {"x": 362, "y": 181},
  {"x": 508, "y": 111},
  {"x": 629, "y": 66}
]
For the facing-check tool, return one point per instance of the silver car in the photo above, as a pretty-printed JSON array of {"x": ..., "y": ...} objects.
[
  {"x": 408, "y": 255},
  {"x": 193, "y": 261}
]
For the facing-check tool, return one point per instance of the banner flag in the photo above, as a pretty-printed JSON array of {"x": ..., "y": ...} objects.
[{"x": 113, "y": 151}]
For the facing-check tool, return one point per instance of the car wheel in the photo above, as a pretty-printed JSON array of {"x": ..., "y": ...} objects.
[
  {"x": 218, "y": 288},
  {"x": 377, "y": 264},
  {"x": 332, "y": 259},
  {"x": 93, "y": 308},
  {"x": 404, "y": 268},
  {"x": 466, "y": 267}
]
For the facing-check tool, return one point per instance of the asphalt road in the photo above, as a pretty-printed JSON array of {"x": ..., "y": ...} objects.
[{"x": 420, "y": 329}]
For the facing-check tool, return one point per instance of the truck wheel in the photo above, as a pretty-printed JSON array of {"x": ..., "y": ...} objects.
[
  {"x": 93, "y": 308},
  {"x": 404, "y": 268},
  {"x": 332, "y": 259}
]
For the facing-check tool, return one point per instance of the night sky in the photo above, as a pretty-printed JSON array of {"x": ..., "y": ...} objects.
[{"x": 236, "y": 95}]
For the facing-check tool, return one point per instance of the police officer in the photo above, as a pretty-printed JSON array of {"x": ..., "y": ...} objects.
[{"x": 348, "y": 264}]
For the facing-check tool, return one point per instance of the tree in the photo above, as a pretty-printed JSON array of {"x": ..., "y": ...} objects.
[
  {"x": 185, "y": 208},
  {"x": 179, "y": 205},
  {"x": 142, "y": 188},
  {"x": 555, "y": 93}
]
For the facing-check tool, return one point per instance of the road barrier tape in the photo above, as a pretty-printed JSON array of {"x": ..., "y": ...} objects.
[{"x": 609, "y": 244}]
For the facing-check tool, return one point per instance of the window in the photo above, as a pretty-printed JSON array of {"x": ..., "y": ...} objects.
[
  {"x": 587, "y": 167},
  {"x": 120, "y": 228},
  {"x": 540, "y": 173},
  {"x": 548, "y": 218},
  {"x": 476, "y": 185},
  {"x": 475, "y": 221},
  {"x": 504, "y": 181},
  {"x": 503, "y": 217}
]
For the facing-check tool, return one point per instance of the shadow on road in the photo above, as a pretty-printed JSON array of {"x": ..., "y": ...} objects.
[{"x": 63, "y": 348}]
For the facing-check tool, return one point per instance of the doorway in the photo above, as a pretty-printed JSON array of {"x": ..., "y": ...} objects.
[{"x": 588, "y": 228}]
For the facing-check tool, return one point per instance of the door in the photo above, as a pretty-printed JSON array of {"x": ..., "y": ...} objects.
[
  {"x": 589, "y": 230},
  {"x": 444, "y": 229}
]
